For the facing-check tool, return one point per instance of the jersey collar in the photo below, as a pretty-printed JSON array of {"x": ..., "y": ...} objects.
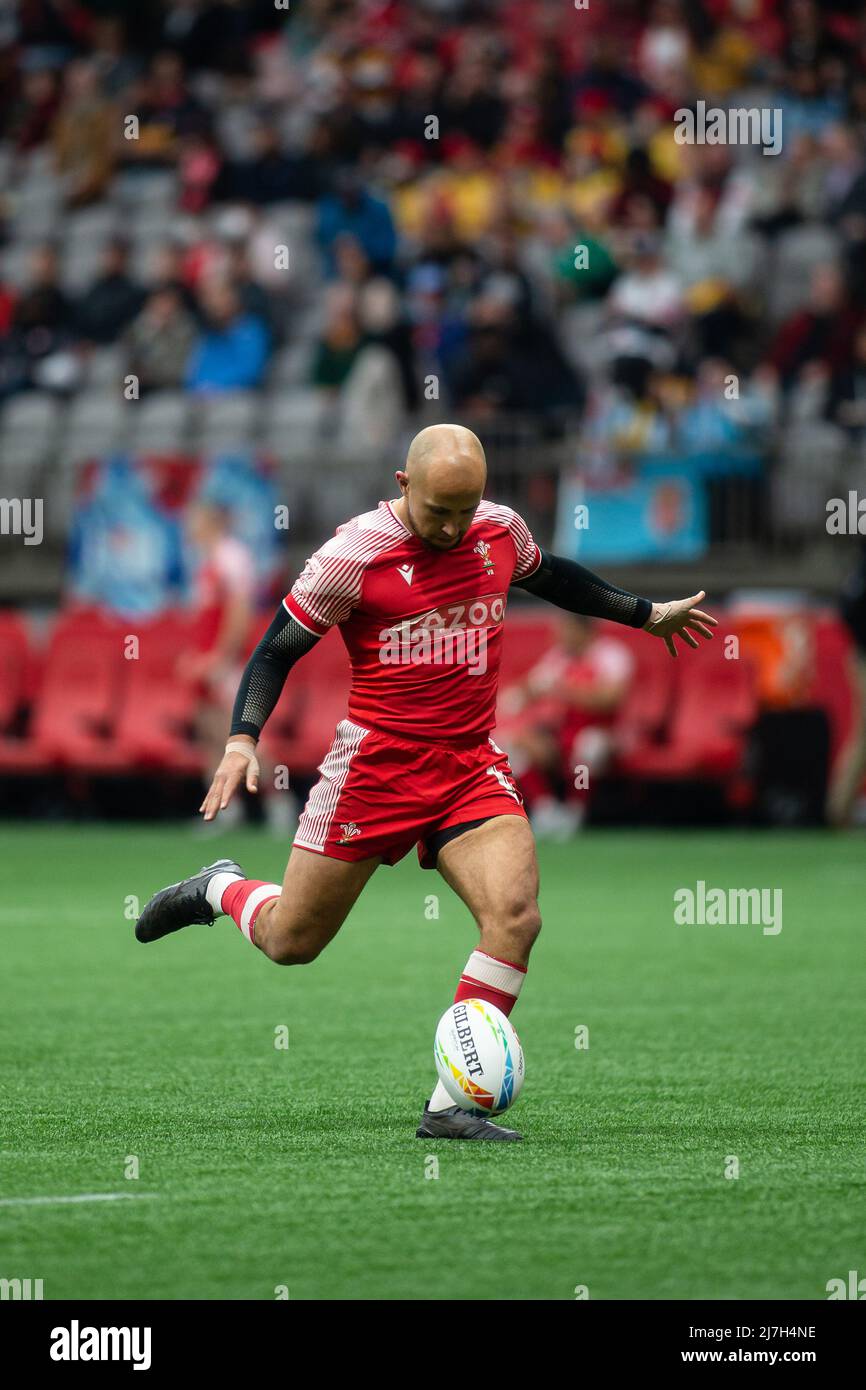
[{"x": 401, "y": 522}]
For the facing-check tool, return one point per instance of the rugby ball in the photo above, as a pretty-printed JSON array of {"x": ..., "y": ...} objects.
[{"x": 478, "y": 1057}]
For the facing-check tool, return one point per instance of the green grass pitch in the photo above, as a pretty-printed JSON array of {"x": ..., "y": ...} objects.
[{"x": 298, "y": 1167}]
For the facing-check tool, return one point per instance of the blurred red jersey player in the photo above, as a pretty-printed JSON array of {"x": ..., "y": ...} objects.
[
  {"x": 222, "y": 612},
  {"x": 559, "y": 722}
]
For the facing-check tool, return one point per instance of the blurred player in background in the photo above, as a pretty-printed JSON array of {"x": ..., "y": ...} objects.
[
  {"x": 223, "y": 610},
  {"x": 560, "y": 734}
]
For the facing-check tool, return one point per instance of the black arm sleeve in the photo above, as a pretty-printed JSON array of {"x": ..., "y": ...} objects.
[
  {"x": 265, "y": 675},
  {"x": 578, "y": 590}
]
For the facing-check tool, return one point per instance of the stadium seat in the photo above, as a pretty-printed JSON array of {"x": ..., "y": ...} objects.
[
  {"x": 38, "y": 198},
  {"x": 18, "y": 669},
  {"x": 646, "y": 710},
  {"x": 14, "y": 660},
  {"x": 714, "y": 704},
  {"x": 811, "y": 468},
  {"x": 291, "y": 365},
  {"x": 135, "y": 190},
  {"x": 28, "y": 428},
  {"x": 157, "y": 706},
  {"x": 226, "y": 419},
  {"x": 78, "y": 702},
  {"x": 160, "y": 422},
  {"x": 294, "y": 421},
  {"x": 105, "y": 367},
  {"x": 16, "y": 261},
  {"x": 526, "y": 637},
  {"x": 97, "y": 423},
  {"x": 80, "y": 266},
  {"x": 92, "y": 226}
]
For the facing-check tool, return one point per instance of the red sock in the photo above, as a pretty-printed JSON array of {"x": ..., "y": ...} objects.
[
  {"x": 488, "y": 977},
  {"x": 244, "y": 899}
]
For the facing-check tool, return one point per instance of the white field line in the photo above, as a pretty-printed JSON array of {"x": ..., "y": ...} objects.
[{"x": 79, "y": 1197}]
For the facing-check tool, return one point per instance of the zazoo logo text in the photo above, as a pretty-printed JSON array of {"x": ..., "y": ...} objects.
[{"x": 453, "y": 635}]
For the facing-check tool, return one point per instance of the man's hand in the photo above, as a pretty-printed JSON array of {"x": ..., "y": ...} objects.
[
  {"x": 235, "y": 767},
  {"x": 680, "y": 618}
]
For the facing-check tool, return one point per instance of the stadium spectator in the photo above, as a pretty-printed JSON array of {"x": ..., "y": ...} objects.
[
  {"x": 351, "y": 208},
  {"x": 167, "y": 112},
  {"x": 821, "y": 333},
  {"x": 112, "y": 301},
  {"x": 641, "y": 184},
  {"x": 166, "y": 267},
  {"x": 552, "y": 137},
  {"x": 43, "y": 319},
  {"x": 159, "y": 341},
  {"x": 84, "y": 136},
  {"x": 648, "y": 293},
  {"x": 846, "y": 403},
  {"x": 340, "y": 342},
  {"x": 7, "y": 308},
  {"x": 232, "y": 351},
  {"x": 508, "y": 366},
  {"x": 702, "y": 252},
  {"x": 351, "y": 261},
  {"x": 379, "y": 386},
  {"x": 270, "y": 174},
  {"x": 582, "y": 264},
  {"x": 421, "y": 93},
  {"x": 33, "y": 114},
  {"x": 255, "y": 301},
  {"x": 707, "y": 425},
  {"x": 53, "y": 31},
  {"x": 199, "y": 165},
  {"x": 845, "y": 189},
  {"x": 383, "y": 325},
  {"x": 116, "y": 65},
  {"x": 645, "y": 308}
]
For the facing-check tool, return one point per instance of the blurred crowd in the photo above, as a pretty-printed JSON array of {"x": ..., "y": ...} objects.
[{"x": 489, "y": 209}]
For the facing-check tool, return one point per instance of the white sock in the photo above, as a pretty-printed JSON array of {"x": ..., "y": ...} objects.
[
  {"x": 215, "y": 889},
  {"x": 440, "y": 1099}
]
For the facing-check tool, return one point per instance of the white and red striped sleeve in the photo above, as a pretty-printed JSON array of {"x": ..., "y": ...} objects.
[
  {"x": 329, "y": 586},
  {"x": 528, "y": 553}
]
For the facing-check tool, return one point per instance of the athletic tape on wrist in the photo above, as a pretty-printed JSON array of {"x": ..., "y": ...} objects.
[{"x": 249, "y": 753}]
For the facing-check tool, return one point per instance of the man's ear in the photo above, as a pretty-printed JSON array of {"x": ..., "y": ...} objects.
[{"x": 402, "y": 480}]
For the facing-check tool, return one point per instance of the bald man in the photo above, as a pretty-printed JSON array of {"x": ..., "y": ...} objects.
[{"x": 418, "y": 589}]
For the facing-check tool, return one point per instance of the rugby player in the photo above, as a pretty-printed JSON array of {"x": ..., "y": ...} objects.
[{"x": 418, "y": 588}]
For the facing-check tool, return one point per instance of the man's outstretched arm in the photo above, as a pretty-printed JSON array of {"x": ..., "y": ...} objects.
[
  {"x": 261, "y": 686},
  {"x": 577, "y": 590}
]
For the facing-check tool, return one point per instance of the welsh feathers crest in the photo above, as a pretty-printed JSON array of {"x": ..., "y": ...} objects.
[{"x": 482, "y": 548}]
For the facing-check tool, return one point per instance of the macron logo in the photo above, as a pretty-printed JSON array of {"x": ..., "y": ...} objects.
[{"x": 406, "y": 571}]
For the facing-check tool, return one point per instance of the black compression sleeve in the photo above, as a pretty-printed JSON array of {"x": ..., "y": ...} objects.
[
  {"x": 265, "y": 675},
  {"x": 578, "y": 590}
]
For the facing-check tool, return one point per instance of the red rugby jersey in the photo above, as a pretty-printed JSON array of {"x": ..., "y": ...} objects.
[{"x": 423, "y": 627}]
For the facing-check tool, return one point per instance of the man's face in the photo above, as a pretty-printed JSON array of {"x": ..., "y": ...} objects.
[{"x": 439, "y": 516}]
